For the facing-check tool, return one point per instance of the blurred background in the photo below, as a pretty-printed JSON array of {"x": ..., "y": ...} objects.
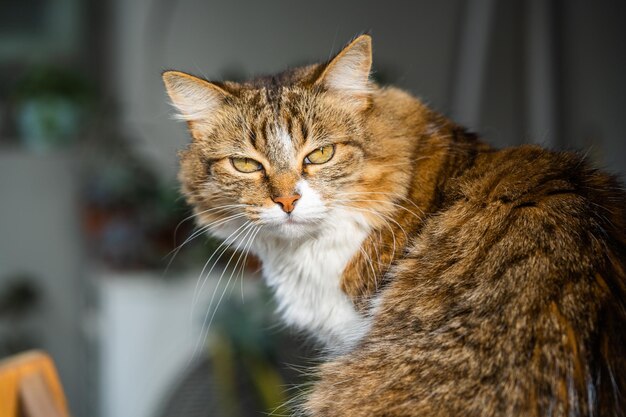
[{"x": 89, "y": 207}]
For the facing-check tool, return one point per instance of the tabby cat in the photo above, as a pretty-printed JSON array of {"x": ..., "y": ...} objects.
[{"x": 443, "y": 277}]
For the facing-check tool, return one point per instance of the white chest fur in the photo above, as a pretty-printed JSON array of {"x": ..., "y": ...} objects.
[{"x": 305, "y": 277}]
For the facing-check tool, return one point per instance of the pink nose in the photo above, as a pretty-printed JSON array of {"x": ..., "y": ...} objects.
[{"x": 287, "y": 203}]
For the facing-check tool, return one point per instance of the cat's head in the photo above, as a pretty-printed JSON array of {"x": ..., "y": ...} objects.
[{"x": 283, "y": 152}]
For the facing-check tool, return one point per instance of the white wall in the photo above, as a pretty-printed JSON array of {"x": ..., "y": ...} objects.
[
  {"x": 150, "y": 337},
  {"x": 39, "y": 220}
]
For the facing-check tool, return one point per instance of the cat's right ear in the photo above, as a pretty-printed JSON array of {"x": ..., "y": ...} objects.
[
  {"x": 194, "y": 98},
  {"x": 349, "y": 70}
]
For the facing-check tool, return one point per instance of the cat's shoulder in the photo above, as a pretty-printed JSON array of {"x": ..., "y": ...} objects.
[
  {"x": 531, "y": 176},
  {"x": 533, "y": 192}
]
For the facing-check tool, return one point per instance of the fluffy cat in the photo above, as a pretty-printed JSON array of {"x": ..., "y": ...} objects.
[{"x": 445, "y": 278}]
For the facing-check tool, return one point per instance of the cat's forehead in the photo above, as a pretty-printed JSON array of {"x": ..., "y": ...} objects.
[
  {"x": 275, "y": 121},
  {"x": 276, "y": 99}
]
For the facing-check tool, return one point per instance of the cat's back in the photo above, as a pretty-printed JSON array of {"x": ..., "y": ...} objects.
[
  {"x": 510, "y": 302},
  {"x": 528, "y": 174},
  {"x": 532, "y": 201},
  {"x": 537, "y": 199}
]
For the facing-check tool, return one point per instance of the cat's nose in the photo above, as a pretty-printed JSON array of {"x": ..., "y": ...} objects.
[{"x": 287, "y": 203}]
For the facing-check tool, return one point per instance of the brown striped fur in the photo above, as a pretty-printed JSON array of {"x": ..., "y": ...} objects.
[{"x": 499, "y": 275}]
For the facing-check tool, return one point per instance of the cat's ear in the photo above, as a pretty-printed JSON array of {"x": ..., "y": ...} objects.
[
  {"x": 349, "y": 70},
  {"x": 194, "y": 98}
]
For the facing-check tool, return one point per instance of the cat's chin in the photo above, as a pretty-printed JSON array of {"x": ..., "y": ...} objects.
[{"x": 293, "y": 229}]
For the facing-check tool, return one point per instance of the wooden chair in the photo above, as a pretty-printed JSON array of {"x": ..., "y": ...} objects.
[{"x": 30, "y": 387}]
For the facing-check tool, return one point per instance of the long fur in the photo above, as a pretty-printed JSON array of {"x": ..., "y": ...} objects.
[{"x": 448, "y": 278}]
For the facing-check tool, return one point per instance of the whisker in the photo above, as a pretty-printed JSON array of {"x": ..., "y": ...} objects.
[
  {"x": 198, "y": 288},
  {"x": 395, "y": 195},
  {"x": 381, "y": 215},
  {"x": 204, "y": 212},
  {"x": 384, "y": 219},
  {"x": 245, "y": 260},
  {"x": 197, "y": 233},
  {"x": 239, "y": 264},
  {"x": 203, "y": 333},
  {"x": 369, "y": 260},
  {"x": 383, "y": 202}
]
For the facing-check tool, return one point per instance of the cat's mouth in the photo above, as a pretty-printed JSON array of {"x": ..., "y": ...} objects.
[
  {"x": 293, "y": 225},
  {"x": 293, "y": 221}
]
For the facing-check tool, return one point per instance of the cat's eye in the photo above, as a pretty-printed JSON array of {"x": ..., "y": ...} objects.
[
  {"x": 320, "y": 155},
  {"x": 246, "y": 165}
]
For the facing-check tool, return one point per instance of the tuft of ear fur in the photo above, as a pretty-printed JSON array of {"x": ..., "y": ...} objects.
[
  {"x": 349, "y": 70},
  {"x": 194, "y": 98}
]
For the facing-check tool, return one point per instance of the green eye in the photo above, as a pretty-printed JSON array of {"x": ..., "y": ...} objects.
[
  {"x": 246, "y": 165},
  {"x": 320, "y": 155}
]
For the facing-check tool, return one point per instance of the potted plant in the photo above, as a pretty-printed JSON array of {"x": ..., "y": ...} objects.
[{"x": 51, "y": 105}]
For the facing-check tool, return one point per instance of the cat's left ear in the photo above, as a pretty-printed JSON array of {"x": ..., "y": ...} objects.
[
  {"x": 349, "y": 70},
  {"x": 194, "y": 98}
]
